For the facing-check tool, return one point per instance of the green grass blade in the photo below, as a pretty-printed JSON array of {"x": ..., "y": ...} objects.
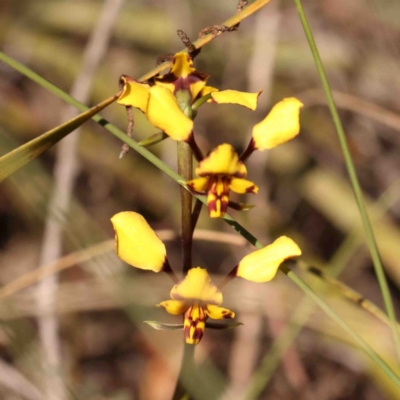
[
  {"x": 240, "y": 229},
  {"x": 371, "y": 241},
  {"x": 329, "y": 311},
  {"x": 16, "y": 159}
]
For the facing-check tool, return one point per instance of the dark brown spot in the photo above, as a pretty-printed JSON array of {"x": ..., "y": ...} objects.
[
  {"x": 234, "y": 271},
  {"x": 361, "y": 301},
  {"x": 198, "y": 334},
  {"x": 250, "y": 189}
]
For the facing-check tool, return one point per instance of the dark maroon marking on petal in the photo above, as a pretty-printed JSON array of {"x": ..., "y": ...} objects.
[
  {"x": 239, "y": 174},
  {"x": 192, "y": 78},
  {"x": 198, "y": 334},
  {"x": 224, "y": 203},
  {"x": 227, "y": 314},
  {"x": 250, "y": 189},
  {"x": 191, "y": 190},
  {"x": 183, "y": 83},
  {"x": 212, "y": 205},
  {"x": 197, "y": 76},
  {"x": 186, "y": 331},
  {"x": 167, "y": 78}
]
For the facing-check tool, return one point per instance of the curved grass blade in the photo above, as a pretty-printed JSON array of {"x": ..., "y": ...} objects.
[
  {"x": 16, "y": 159},
  {"x": 348, "y": 293},
  {"x": 162, "y": 326},
  {"x": 370, "y": 236},
  {"x": 154, "y": 139}
]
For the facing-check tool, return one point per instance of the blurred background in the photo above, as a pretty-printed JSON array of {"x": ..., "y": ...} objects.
[{"x": 79, "y": 334}]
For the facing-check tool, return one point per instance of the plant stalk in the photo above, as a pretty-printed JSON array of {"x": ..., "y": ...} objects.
[{"x": 185, "y": 169}]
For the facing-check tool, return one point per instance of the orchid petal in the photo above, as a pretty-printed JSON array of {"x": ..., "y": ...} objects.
[
  {"x": 216, "y": 312},
  {"x": 174, "y": 307},
  {"x": 137, "y": 244},
  {"x": 262, "y": 265},
  {"x": 244, "y": 99},
  {"x": 164, "y": 113},
  {"x": 135, "y": 94},
  {"x": 241, "y": 186},
  {"x": 280, "y": 125},
  {"x": 222, "y": 160},
  {"x": 197, "y": 286}
]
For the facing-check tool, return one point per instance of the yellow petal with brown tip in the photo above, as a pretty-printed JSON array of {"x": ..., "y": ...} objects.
[
  {"x": 240, "y": 185},
  {"x": 216, "y": 312},
  {"x": 174, "y": 307}
]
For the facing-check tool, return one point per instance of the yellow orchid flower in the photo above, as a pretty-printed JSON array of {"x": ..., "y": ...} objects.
[
  {"x": 198, "y": 298},
  {"x": 220, "y": 172},
  {"x": 183, "y": 77},
  {"x": 167, "y": 100},
  {"x": 195, "y": 296}
]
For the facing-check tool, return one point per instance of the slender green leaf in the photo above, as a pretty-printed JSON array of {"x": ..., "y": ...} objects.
[
  {"x": 154, "y": 139},
  {"x": 221, "y": 326},
  {"x": 16, "y": 159},
  {"x": 162, "y": 326},
  {"x": 370, "y": 236}
]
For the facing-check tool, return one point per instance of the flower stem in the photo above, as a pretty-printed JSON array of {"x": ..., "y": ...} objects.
[
  {"x": 185, "y": 169},
  {"x": 187, "y": 370},
  {"x": 248, "y": 152}
]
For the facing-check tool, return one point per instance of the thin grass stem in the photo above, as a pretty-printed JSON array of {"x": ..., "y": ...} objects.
[{"x": 370, "y": 236}]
